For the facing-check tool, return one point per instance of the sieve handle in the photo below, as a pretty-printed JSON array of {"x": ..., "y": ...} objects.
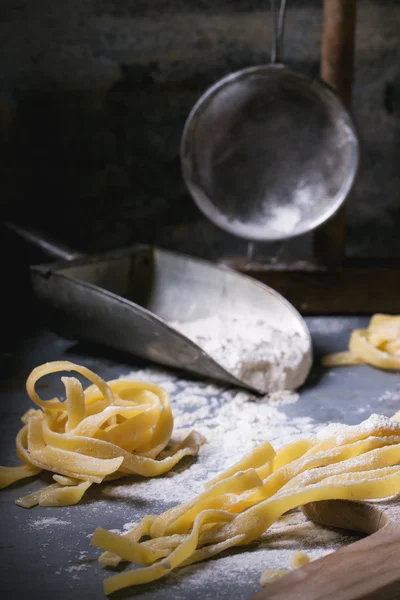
[{"x": 278, "y": 26}]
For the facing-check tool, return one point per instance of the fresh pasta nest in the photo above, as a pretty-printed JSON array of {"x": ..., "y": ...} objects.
[
  {"x": 109, "y": 430},
  {"x": 342, "y": 462},
  {"x": 378, "y": 345}
]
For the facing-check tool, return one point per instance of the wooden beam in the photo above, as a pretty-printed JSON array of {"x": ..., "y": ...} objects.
[
  {"x": 337, "y": 59},
  {"x": 355, "y": 287}
]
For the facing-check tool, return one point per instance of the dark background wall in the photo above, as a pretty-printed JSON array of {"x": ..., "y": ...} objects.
[{"x": 94, "y": 95}]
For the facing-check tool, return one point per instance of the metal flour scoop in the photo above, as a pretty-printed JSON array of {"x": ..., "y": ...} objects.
[
  {"x": 125, "y": 299},
  {"x": 268, "y": 153}
]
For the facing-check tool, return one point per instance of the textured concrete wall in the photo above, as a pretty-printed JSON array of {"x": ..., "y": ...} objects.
[{"x": 94, "y": 95}]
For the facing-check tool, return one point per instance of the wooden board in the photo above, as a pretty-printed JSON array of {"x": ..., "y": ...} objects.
[{"x": 365, "y": 570}]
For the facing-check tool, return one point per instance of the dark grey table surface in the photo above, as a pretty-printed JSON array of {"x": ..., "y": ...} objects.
[{"x": 46, "y": 552}]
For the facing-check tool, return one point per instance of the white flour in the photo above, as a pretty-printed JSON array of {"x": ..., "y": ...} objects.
[
  {"x": 45, "y": 522},
  {"x": 284, "y": 218},
  {"x": 263, "y": 356},
  {"x": 391, "y": 400},
  {"x": 341, "y": 431}
]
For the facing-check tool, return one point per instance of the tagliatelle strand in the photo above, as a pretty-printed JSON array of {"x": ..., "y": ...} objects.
[
  {"x": 342, "y": 462},
  {"x": 164, "y": 566},
  {"x": 259, "y": 457},
  {"x": 110, "y": 430},
  {"x": 378, "y": 345},
  {"x": 299, "y": 559}
]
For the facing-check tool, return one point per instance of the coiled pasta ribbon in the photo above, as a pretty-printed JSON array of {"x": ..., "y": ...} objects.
[
  {"x": 378, "y": 345},
  {"x": 109, "y": 430},
  {"x": 349, "y": 463}
]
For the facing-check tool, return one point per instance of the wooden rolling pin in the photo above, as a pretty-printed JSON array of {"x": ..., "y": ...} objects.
[
  {"x": 337, "y": 58},
  {"x": 365, "y": 570}
]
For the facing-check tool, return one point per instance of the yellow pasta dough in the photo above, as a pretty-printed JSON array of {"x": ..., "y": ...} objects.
[
  {"x": 342, "y": 462},
  {"x": 299, "y": 559},
  {"x": 378, "y": 345},
  {"x": 110, "y": 430},
  {"x": 270, "y": 575}
]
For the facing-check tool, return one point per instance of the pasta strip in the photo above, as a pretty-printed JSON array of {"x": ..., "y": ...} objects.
[
  {"x": 63, "y": 365},
  {"x": 292, "y": 452},
  {"x": 378, "y": 345},
  {"x": 299, "y": 559},
  {"x": 75, "y": 402},
  {"x": 271, "y": 575},
  {"x": 110, "y": 430},
  {"x": 249, "y": 526},
  {"x": 9, "y": 475},
  {"x": 345, "y": 463},
  {"x": 33, "y": 499},
  {"x": 263, "y": 454},
  {"x": 257, "y": 519},
  {"x": 128, "y": 549},
  {"x": 361, "y": 346},
  {"x": 237, "y": 483},
  {"x": 64, "y": 495},
  {"x": 164, "y": 566},
  {"x": 110, "y": 559},
  {"x": 341, "y": 359}
]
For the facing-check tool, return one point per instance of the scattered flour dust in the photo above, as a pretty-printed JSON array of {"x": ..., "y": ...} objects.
[
  {"x": 46, "y": 522},
  {"x": 233, "y": 422},
  {"x": 75, "y": 570},
  {"x": 263, "y": 356},
  {"x": 390, "y": 400}
]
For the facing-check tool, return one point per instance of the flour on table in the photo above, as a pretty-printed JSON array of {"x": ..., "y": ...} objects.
[
  {"x": 75, "y": 568},
  {"x": 263, "y": 356},
  {"x": 46, "y": 522},
  {"x": 390, "y": 399}
]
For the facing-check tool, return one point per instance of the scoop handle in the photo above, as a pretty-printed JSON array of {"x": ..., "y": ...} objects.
[
  {"x": 337, "y": 59},
  {"x": 50, "y": 247}
]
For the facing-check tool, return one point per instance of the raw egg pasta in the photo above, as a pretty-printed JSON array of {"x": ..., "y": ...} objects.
[
  {"x": 122, "y": 427},
  {"x": 341, "y": 462},
  {"x": 299, "y": 559},
  {"x": 109, "y": 430},
  {"x": 378, "y": 345}
]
